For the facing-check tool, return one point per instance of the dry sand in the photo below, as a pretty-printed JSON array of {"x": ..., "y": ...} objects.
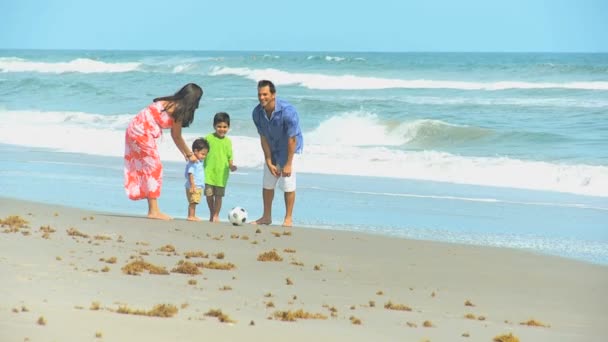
[{"x": 73, "y": 284}]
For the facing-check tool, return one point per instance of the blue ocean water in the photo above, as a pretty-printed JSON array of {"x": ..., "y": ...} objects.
[{"x": 483, "y": 148}]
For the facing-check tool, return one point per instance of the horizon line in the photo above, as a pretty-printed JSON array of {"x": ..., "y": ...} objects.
[{"x": 302, "y": 51}]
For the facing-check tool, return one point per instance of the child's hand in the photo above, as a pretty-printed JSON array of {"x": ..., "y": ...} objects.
[{"x": 232, "y": 168}]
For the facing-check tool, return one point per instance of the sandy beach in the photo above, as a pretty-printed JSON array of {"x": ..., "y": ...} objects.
[{"x": 64, "y": 278}]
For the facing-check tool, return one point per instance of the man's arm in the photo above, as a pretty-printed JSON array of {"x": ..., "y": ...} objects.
[
  {"x": 291, "y": 150},
  {"x": 268, "y": 155}
]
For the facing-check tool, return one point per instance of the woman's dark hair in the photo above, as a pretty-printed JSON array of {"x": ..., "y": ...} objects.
[
  {"x": 267, "y": 83},
  {"x": 184, "y": 103},
  {"x": 221, "y": 117}
]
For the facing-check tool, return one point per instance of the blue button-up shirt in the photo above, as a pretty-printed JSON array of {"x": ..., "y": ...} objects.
[{"x": 283, "y": 124}]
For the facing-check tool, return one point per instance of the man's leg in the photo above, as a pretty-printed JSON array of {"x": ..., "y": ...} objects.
[
  {"x": 290, "y": 200},
  {"x": 268, "y": 184},
  {"x": 267, "y": 197}
]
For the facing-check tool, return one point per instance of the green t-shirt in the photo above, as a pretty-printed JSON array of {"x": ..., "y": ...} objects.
[{"x": 217, "y": 166}]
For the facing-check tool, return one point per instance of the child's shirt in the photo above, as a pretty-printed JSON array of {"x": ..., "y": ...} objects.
[
  {"x": 217, "y": 162},
  {"x": 196, "y": 169}
]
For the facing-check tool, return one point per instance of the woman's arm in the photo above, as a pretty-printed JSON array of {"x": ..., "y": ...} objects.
[{"x": 176, "y": 134}]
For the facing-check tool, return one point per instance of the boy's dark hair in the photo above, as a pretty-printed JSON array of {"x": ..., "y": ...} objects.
[
  {"x": 200, "y": 144},
  {"x": 267, "y": 83},
  {"x": 221, "y": 117},
  {"x": 186, "y": 101}
]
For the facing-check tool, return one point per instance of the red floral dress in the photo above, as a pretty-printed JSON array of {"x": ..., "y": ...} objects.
[{"x": 143, "y": 169}]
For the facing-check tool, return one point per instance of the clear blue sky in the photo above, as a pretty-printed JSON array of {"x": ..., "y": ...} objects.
[{"x": 307, "y": 25}]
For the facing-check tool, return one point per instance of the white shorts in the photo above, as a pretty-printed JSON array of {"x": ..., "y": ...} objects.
[{"x": 287, "y": 184}]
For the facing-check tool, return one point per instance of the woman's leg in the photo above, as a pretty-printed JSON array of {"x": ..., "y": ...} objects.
[{"x": 154, "y": 212}]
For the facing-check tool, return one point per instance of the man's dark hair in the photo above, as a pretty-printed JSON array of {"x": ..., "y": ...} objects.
[{"x": 267, "y": 83}]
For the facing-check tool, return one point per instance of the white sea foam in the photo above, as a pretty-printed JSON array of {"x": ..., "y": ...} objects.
[
  {"x": 364, "y": 156},
  {"x": 81, "y": 65},
  {"x": 352, "y": 82}
]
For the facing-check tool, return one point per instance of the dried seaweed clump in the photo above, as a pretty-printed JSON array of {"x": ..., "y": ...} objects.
[
  {"x": 196, "y": 254},
  {"x": 75, "y": 232},
  {"x": 506, "y": 338},
  {"x": 534, "y": 323},
  {"x": 111, "y": 260},
  {"x": 270, "y": 256},
  {"x": 400, "y": 307},
  {"x": 46, "y": 231},
  {"x": 222, "y": 317},
  {"x": 14, "y": 223},
  {"x": 292, "y": 316},
  {"x": 186, "y": 267},
  {"x": 167, "y": 249},
  {"x": 213, "y": 265},
  {"x": 159, "y": 310},
  {"x": 138, "y": 266}
]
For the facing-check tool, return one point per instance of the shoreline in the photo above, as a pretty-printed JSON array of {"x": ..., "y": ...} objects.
[
  {"x": 342, "y": 275},
  {"x": 549, "y": 223}
]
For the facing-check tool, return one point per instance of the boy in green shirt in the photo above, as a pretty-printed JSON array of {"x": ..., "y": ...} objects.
[{"x": 217, "y": 164}]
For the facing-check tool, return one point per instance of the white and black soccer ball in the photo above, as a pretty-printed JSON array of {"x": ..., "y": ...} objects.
[{"x": 237, "y": 216}]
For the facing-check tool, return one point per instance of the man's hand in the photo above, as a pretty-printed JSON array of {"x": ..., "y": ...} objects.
[
  {"x": 286, "y": 171},
  {"x": 273, "y": 170}
]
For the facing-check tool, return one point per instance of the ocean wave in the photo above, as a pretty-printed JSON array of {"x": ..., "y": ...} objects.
[
  {"x": 337, "y": 59},
  {"x": 104, "y": 135},
  {"x": 361, "y": 128},
  {"x": 81, "y": 65},
  {"x": 352, "y": 82}
]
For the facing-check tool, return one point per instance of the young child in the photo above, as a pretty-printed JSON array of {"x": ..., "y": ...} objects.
[
  {"x": 218, "y": 164},
  {"x": 195, "y": 177}
]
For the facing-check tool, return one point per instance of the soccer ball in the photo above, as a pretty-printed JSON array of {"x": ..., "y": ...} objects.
[{"x": 237, "y": 216}]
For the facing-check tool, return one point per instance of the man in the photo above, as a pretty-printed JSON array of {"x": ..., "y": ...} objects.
[{"x": 278, "y": 124}]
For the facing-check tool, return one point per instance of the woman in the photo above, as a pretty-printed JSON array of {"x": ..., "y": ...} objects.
[{"x": 143, "y": 169}]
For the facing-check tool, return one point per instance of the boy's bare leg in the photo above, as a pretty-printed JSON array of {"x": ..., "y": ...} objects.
[
  {"x": 192, "y": 213},
  {"x": 154, "y": 212},
  {"x": 290, "y": 200},
  {"x": 267, "y": 197},
  {"x": 210, "y": 204},
  {"x": 217, "y": 205}
]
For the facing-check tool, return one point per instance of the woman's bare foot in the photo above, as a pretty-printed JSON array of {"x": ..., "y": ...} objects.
[
  {"x": 159, "y": 216},
  {"x": 214, "y": 219},
  {"x": 193, "y": 218},
  {"x": 262, "y": 220},
  {"x": 288, "y": 222}
]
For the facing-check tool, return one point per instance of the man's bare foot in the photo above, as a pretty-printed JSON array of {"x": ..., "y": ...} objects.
[
  {"x": 262, "y": 220},
  {"x": 288, "y": 223},
  {"x": 159, "y": 216},
  {"x": 193, "y": 218},
  {"x": 214, "y": 219}
]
